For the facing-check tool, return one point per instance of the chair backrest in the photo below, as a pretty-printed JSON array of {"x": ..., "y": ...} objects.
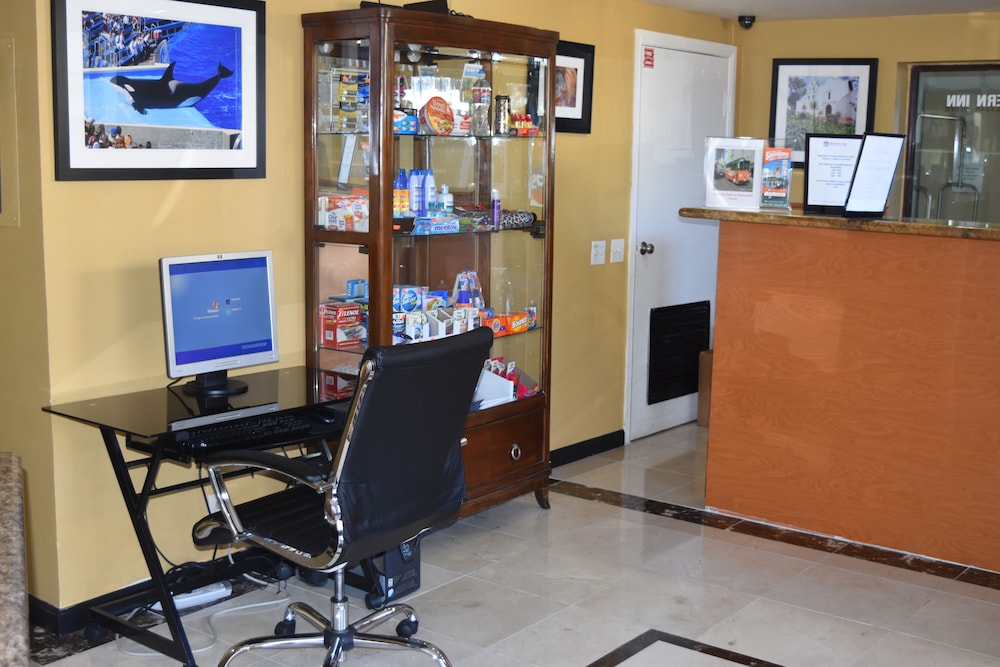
[{"x": 398, "y": 470}]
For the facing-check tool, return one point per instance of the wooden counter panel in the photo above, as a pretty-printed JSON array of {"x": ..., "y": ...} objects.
[{"x": 856, "y": 387}]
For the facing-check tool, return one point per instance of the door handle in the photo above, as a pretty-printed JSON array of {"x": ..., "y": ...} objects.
[{"x": 646, "y": 248}]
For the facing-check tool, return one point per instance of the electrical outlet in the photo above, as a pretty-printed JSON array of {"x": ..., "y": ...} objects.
[
  {"x": 212, "y": 500},
  {"x": 617, "y": 250},
  {"x": 597, "y": 252}
]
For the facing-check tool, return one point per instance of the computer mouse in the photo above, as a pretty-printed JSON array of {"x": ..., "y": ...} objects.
[{"x": 325, "y": 415}]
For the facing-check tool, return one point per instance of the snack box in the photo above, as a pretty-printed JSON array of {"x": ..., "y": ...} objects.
[
  {"x": 404, "y": 123},
  {"x": 341, "y": 326},
  {"x": 343, "y": 213}
]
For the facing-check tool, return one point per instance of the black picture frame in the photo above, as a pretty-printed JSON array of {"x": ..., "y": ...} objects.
[
  {"x": 819, "y": 95},
  {"x": 829, "y": 158},
  {"x": 574, "y": 86},
  {"x": 184, "y": 80}
]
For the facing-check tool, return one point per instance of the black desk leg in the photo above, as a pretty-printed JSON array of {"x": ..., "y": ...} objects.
[{"x": 179, "y": 648}]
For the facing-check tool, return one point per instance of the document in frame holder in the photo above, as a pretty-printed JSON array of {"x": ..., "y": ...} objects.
[{"x": 874, "y": 173}]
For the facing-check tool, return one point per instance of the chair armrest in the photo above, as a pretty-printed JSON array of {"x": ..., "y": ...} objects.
[{"x": 299, "y": 469}]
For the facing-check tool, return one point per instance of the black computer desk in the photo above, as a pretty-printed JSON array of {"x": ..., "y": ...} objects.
[{"x": 147, "y": 420}]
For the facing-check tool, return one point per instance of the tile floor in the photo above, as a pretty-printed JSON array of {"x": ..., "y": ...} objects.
[{"x": 616, "y": 574}]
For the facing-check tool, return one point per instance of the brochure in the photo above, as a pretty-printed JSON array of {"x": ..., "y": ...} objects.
[{"x": 776, "y": 178}]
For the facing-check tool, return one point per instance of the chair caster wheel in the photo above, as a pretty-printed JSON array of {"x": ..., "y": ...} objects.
[
  {"x": 406, "y": 628},
  {"x": 95, "y": 634},
  {"x": 283, "y": 628},
  {"x": 312, "y": 577}
]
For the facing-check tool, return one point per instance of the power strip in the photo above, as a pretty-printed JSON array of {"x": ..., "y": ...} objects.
[{"x": 200, "y": 596}]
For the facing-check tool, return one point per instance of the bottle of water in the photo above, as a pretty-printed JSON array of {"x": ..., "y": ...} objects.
[{"x": 482, "y": 95}]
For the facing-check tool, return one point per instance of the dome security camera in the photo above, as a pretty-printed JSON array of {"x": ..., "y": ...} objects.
[{"x": 747, "y": 21}]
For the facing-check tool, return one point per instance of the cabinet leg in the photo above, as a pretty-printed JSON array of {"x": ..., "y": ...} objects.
[{"x": 542, "y": 496}]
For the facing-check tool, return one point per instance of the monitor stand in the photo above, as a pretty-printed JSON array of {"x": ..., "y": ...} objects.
[{"x": 215, "y": 384}]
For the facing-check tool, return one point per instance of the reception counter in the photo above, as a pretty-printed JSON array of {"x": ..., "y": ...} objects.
[{"x": 856, "y": 380}]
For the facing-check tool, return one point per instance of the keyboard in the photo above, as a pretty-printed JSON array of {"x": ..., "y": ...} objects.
[{"x": 257, "y": 432}]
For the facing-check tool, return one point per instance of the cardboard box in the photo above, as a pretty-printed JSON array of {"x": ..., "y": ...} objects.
[
  {"x": 407, "y": 298},
  {"x": 336, "y": 385},
  {"x": 418, "y": 325},
  {"x": 492, "y": 390},
  {"x": 341, "y": 325},
  {"x": 441, "y": 322}
]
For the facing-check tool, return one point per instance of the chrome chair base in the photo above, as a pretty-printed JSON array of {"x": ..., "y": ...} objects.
[{"x": 339, "y": 641}]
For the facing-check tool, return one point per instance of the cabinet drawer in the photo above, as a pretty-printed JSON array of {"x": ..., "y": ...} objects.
[{"x": 499, "y": 451}]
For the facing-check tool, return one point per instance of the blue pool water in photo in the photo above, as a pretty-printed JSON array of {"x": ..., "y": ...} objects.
[{"x": 197, "y": 50}]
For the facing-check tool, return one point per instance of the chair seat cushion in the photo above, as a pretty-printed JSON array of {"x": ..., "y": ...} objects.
[{"x": 294, "y": 517}]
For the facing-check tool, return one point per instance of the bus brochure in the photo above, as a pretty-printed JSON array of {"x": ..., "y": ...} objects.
[
  {"x": 776, "y": 178},
  {"x": 733, "y": 172}
]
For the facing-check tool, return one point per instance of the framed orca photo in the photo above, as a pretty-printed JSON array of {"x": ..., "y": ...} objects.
[{"x": 158, "y": 89}]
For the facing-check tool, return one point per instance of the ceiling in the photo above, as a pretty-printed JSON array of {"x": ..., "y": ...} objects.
[{"x": 781, "y": 10}]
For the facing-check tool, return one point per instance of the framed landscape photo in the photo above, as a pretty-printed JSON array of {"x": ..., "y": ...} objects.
[
  {"x": 158, "y": 89},
  {"x": 821, "y": 96},
  {"x": 574, "y": 86}
]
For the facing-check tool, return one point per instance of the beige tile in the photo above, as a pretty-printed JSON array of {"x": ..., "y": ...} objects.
[
  {"x": 957, "y": 621},
  {"x": 852, "y": 595},
  {"x": 667, "y": 603},
  {"x": 899, "y": 649},
  {"x": 572, "y": 637},
  {"x": 791, "y": 635}
]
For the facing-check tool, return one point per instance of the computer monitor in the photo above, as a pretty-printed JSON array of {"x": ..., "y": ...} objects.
[{"x": 218, "y": 313}]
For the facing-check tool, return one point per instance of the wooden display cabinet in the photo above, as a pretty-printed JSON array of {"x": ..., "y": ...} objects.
[{"x": 380, "y": 84}]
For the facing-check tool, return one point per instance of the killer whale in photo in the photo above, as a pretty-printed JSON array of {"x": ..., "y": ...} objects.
[{"x": 167, "y": 92}]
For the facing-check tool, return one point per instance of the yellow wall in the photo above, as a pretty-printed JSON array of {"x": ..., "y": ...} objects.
[
  {"x": 897, "y": 42},
  {"x": 81, "y": 270}
]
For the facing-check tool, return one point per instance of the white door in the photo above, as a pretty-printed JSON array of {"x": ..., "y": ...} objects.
[{"x": 684, "y": 91}]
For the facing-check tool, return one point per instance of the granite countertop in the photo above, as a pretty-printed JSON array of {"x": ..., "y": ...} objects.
[
  {"x": 987, "y": 231},
  {"x": 13, "y": 582}
]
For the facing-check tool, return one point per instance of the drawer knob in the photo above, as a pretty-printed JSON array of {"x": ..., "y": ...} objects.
[{"x": 515, "y": 452}]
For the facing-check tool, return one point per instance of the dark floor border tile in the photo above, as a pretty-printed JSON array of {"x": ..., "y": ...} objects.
[
  {"x": 800, "y": 538},
  {"x": 650, "y": 637}
]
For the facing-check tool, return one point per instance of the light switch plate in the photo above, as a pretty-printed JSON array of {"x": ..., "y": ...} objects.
[
  {"x": 598, "y": 250},
  {"x": 617, "y": 250}
]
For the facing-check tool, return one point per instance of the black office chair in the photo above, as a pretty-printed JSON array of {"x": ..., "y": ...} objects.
[{"x": 398, "y": 472}]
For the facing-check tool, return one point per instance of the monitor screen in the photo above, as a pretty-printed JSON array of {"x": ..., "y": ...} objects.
[{"x": 218, "y": 313}]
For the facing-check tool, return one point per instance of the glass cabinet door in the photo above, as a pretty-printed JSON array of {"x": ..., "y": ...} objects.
[
  {"x": 341, "y": 183},
  {"x": 469, "y": 198}
]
